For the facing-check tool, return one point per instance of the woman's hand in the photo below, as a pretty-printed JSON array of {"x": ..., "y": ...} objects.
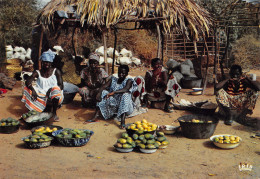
[
  {"x": 34, "y": 95},
  {"x": 110, "y": 94}
]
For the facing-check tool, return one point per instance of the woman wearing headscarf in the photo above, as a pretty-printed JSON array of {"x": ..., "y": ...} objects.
[
  {"x": 49, "y": 85},
  {"x": 92, "y": 78}
]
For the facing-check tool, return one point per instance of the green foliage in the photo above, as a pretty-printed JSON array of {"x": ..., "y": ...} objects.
[{"x": 16, "y": 19}]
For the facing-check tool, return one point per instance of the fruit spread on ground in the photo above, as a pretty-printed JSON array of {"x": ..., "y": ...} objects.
[
  {"x": 227, "y": 139},
  {"x": 142, "y": 138},
  {"x": 9, "y": 122},
  {"x": 37, "y": 137},
  {"x": 74, "y": 133},
  {"x": 142, "y": 125}
]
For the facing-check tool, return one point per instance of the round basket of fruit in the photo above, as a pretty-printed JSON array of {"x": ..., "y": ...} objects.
[
  {"x": 38, "y": 119},
  {"x": 143, "y": 125},
  {"x": 125, "y": 143},
  {"x": 72, "y": 137},
  {"x": 9, "y": 125},
  {"x": 36, "y": 141},
  {"x": 226, "y": 141},
  {"x": 46, "y": 129}
]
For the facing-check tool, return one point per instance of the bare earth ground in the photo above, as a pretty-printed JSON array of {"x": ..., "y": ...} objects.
[{"x": 184, "y": 158}]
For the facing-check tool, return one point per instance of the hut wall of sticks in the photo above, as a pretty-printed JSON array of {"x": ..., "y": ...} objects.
[{"x": 102, "y": 17}]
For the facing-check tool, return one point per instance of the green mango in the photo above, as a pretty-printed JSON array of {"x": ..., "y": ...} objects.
[
  {"x": 156, "y": 145},
  {"x": 141, "y": 137},
  {"x": 125, "y": 135},
  {"x": 160, "y": 134},
  {"x": 129, "y": 140},
  {"x": 148, "y": 136},
  {"x": 127, "y": 146},
  {"x": 150, "y": 146},
  {"x": 142, "y": 146},
  {"x": 160, "y": 139},
  {"x": 135, "y": 136},
  {"x": 138, "y": 141},
  {"x": 151, "y": 141},
  {"x": 144, "y": 141}
]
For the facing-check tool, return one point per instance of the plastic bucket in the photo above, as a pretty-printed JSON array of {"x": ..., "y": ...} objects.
[{"x": 202, "y": 130}]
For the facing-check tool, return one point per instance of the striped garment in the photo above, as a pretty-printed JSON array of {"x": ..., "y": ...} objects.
[
  {"x": 40, "y": 103},
  {"x": 117, "y": 104}
]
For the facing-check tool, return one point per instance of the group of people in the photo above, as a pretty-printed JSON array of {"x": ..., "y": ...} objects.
[{"x": 116, "y": 95}]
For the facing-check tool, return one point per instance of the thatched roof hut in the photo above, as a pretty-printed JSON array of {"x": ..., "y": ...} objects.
[{"x": 183, "y": 15}]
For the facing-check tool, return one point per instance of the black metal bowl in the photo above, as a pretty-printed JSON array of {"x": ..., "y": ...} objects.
[{"x": 198, "y": 130}]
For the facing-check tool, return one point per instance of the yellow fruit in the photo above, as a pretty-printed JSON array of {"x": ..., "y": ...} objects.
[
  {"x": 54, "y": 129},
  {"x": 138, "y": 122},
  {"x": 3, "y": 124},
  {"x": 226, "y": 141},
  {"x": 132, "y": 127},
  {"x": 145, "y": 126},
  {"x": 141, "y": 128},
  {"x": 232, "y": 138},
  {"x": 220, "y": 141},
  {"x": 138, "y": 126},
  {"x": 144, "y": 121},
  {"x": 221, "y": 138},
  {"x": 233, "y": 142},
  {"x": 158, "y": 142}
]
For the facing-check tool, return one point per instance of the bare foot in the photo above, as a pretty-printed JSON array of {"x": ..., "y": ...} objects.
[{"x": 56, "y": 118}]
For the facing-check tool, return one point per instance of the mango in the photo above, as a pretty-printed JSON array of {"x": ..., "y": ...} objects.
[
  {"x": 151, "y": 141},
  {"x": 127, "y": 146},
  {"x": 150, "y": 146},
  {"x": 125, "y": 135},
  {"x": 148, "y": 136},
  {"x": 160, "y": 139}
]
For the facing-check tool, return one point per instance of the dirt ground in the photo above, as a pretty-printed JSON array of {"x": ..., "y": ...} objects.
[{"x": 184, "y": 158}]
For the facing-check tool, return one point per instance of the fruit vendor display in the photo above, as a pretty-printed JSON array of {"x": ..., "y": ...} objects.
[
  {"x": 125, "y": 142},
  {"x": 196, "y": 121},
  {"x": 142, "y": 125},
  {"x": 74, "y": 133},
  {"x": 9, "y": 122}
]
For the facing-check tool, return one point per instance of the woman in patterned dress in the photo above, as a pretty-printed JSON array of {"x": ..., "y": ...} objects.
[
  {"x": 92, "y": 78},
  {"x": 49, "y": 85},
  {"x": 158, "y": 86},
  {"x": 236, "y": 95},
  {"x": 115, "y": 97}
]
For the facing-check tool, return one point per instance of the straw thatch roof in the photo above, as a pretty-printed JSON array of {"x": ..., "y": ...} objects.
[{"x": 184, "y": 15}]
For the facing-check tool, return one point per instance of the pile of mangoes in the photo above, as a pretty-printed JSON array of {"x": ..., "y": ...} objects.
[
  {"x": 9, "y": 122},
  {"x": 45, "y": 129},
  {"x": 227, "y": 139},
  {"x": 37, "y": 138},
  {"x": 125, "y": 142},
  {"x": 74, "y": 133},
  {"x": 143, "y": 125},
  {"x": 30, "y": 113},
  {"x": 149, "y": 141}
]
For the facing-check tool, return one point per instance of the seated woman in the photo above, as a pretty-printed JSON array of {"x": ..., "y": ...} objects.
[
  {"x": 236, "y": 95},
  {"x": 115, "y": 97},
  {"x": 158, "y": 87},
  {"x": 92, "y": 78},
  {"x": 49, "y": 85}
]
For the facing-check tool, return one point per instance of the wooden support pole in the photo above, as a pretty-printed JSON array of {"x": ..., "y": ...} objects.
[
  {"x": 159, "y": 40},
  {"x": 40, "y": 48},
  {"x": 113, "y": 65},
  {"x": 105, "y": 50},
  {"x": 206, "y": 74},
  {"x": 215, "y": 59},
  {"x": 72, "y": 42}
]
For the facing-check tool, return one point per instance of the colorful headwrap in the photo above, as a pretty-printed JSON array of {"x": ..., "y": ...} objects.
[
  {"x": 94, "y": 56},
  {"x": 48, "y": 56}
]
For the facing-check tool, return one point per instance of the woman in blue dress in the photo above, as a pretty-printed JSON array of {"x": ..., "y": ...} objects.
[{"x": 115, "y": 97}]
